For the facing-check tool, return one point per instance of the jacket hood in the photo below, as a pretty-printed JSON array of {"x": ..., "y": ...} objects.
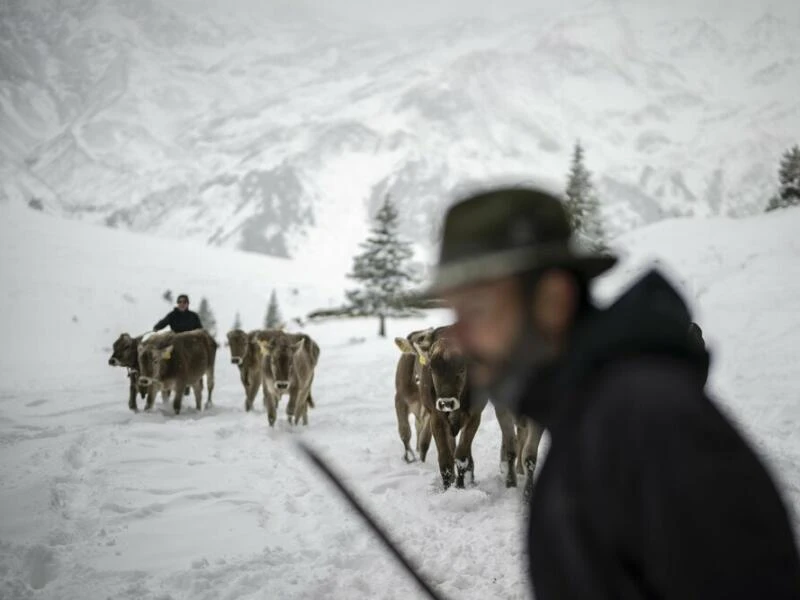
[{"x": 650, "y": 317}]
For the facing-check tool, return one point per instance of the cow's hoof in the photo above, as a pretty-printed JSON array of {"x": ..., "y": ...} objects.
[
  {"x": 527, "y": 491},
  {"x": 511, "y": 474},
  {"x": 447, "y": 479},
  {"x": 409, "y": 456},
  {"x": 134, "y": 409}
]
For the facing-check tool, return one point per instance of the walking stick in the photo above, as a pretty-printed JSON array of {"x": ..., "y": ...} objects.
[{"x": 317, "y": 460}]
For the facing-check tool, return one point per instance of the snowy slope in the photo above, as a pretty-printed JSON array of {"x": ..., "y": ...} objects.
[
  {"x": 277, "y": 132},
  {"x": 98, "y": 502}
]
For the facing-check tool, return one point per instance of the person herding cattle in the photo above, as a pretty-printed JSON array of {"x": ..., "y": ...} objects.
[
  {"x": 180, "y": 319},
  {"x": 648, "y": 491}
]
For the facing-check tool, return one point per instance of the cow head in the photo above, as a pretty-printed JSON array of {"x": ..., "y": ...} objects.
[
  {"x": 439, "y": 353},
  {"x": 239, "y": 343},
  {"x": 124, "y": 352},
  {"x": 153, "y": 362},
  {"x": 279, "y": 351}
]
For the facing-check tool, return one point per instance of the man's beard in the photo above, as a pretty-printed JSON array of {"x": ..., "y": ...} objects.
[{"x": 509, "y": 377}]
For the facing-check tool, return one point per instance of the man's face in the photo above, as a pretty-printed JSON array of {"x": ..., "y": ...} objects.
[
  {"x": 183, "y": 304},
  {"x": 492, "y": 318},
  {"x": 489, "y": 321}
]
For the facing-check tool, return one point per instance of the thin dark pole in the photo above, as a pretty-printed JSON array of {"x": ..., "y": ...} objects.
[{"x": 317, "y": 460}]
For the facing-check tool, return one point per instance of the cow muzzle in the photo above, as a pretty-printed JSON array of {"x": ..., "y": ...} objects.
[
  {"x": 447, "y": 404},
  {"x": 235, "y": 360},
  {"x": 113, "y": 362},
  {"x": 145, "y": 381},
  {"x": 282, "y": 385}
]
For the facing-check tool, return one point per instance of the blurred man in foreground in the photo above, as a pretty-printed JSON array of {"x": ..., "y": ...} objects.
[{"x": 647, "y": 491}]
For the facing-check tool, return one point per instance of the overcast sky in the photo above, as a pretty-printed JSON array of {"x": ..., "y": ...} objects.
[{"x": 395, "y": 14}]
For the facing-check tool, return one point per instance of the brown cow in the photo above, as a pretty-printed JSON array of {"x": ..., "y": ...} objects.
[
  {"x": 451, "y": 407},
  {"x": 178, "y": 365},
  {"x": 407, "y": 397},
  {"x": 125, "y": 353},
  {"x": 246, "y": 355},
  {"x": 288, "y": 363}
]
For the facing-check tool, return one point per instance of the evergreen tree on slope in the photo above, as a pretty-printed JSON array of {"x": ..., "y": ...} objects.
[
  {"x": 207, "y": 317},
  {"x": 272, "y": 320},
  {"x": 582, "y": 205},
  {"x": 382, "y": 270},
  {"x": 789, "y": 177}
]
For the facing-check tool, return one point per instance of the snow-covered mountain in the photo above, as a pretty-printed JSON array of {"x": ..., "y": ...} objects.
[{"x": 278, "y": 133}]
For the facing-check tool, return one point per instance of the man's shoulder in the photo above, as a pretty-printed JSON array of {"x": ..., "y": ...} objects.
[{"x": 646, "y": 388}]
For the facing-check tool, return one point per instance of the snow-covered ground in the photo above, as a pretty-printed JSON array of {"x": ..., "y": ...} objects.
[{"x": 98, "y": 502}]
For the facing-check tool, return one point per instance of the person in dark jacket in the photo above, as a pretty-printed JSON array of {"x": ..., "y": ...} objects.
[
  {"x": 647, "y": 491},
  {"x": 180, "y": 319}
]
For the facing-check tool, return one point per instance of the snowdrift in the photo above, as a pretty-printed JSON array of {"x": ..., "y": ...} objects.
[{"x": 98, "y": 502}]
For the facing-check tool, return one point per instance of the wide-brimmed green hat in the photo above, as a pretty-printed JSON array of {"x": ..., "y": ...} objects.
[{"x": 505, "y": 231}]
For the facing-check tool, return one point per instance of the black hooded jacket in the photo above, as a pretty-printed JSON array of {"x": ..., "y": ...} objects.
[
  {"x": 648, "y": 491},
  {"x": 179, "y": 321}
]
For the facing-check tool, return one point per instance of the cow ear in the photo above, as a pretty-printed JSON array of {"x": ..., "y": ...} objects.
[
  {"x": 404, "y": 345},
  {"x": 166, "y": 354}
]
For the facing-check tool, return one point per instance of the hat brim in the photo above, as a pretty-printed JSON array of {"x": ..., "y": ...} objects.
[{"x": 512, "y": 262}]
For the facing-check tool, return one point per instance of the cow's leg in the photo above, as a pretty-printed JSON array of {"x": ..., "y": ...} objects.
[
  {"x": 531, "y": 453},
  {"x": 178, "y": 399},
  {"x": 403, "y": 428},
  {"x": 522, "y": 436},
  {"x": 463, "y": 458},
  {"x": 301, "y": 408},
  {"x": 132, "y": 393},
  {"x": 198, "y": 394},
  {"x": 271, "y": 405},
  {"x": 209, "y": 385},
  {"x": 508, "y": 446},
  {"x": 417, "y": 426},
  {"x": 164, "y": 395},
  {"x": 425, "y": 436},
  {"x": 151, "y": 396},
  {"x": 440, "y": 429},
  {"x": 251, "y": 391}
]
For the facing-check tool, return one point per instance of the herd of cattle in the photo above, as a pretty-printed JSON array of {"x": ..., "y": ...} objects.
[
  {"x": 174, "y": 363},
  {"x": 430, "y": 383}
]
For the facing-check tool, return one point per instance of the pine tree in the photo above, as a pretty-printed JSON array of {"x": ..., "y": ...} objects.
[
  {"x": 382, "y": 269},
  {"x": 237, "y": 322},
  {"x": 582, "y": 205},
  {"x": 273, "y": 318},
  {"x": 207, "y": 317},
  {"x": 789, "y": 178}
]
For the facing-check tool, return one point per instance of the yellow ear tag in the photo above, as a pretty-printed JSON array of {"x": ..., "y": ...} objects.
[
  {"x": 166, "y": 355},
  {"x": 423, "y": 361}
]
